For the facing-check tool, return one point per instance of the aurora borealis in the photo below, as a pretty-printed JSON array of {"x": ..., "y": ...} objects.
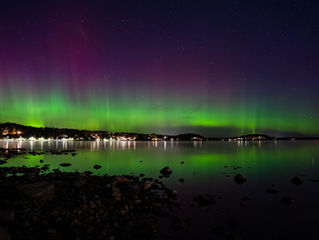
[{"x": 217, "y": 68}]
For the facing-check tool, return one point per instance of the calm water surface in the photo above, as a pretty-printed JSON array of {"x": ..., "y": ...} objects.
[{"x": 209, "y": 168}]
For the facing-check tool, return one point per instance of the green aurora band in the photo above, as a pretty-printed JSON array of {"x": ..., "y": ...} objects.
[{"x": 126, "y": 112}]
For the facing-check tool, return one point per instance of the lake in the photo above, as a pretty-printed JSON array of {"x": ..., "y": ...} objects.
[{"x": 209, "y": 167}]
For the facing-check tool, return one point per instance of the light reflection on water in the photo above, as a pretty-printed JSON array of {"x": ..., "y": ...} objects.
[
  {"x": 204, "y": 171},
  {"x": 92, "y": 145}
]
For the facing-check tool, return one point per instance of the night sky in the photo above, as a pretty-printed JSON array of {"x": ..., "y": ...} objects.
[{"x": 218, "y": 68}]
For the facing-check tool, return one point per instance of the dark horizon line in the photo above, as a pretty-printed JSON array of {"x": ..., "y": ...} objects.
[{"x": 169, "y": 135}]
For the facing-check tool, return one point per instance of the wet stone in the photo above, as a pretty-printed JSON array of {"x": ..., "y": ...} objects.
[
  {"x": 96, "y": 166},
  {"x": 166, "y": 172},
  {"x": 243, "y": 203},
  {"x": 296, "y": 181},
  {"x": 240, "y": 179},
  {"x": 204, "y": 199},
  {"x": 65, "y": 164}
]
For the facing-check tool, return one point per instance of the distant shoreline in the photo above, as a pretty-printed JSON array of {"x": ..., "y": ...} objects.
[{"x": 21, "y": 132}]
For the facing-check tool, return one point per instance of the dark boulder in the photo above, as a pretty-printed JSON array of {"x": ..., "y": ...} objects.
[
  {"x": 297, "y": 181},
  {"x": 240, "y": 179},
  {"x": 166, "y": 172}
]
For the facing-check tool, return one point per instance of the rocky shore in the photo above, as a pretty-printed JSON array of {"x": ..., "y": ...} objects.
[{"x": 60, "y": 205}]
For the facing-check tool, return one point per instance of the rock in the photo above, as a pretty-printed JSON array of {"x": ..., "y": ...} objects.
[
  {"x": 147, "y": 186},
  {"x": 78, "y": 182},
  {"x": 3, "y": 162},
  {"x": 92, "y": 204},
  {"x": 150, "y": 179},
  {"x": 65, "y": 164},
  {"x": 240, "y": 179},
  {"x": 6, "y": 215},
  {"x": 120, "y": 179},
  {"x": 171, "y": 194},
  {"x": 4, "y": 234},
  {"x": 116, "y": 193},
  {"x": 297, "y": 181},
  {"x": 95, "y": 207},
  {"x": 204, "y": 199},
  {"x": 166, "y": 172},
  {"x": 96, "y": 166},
  {"x": 243, "y": 204},
  {"x": 287, "y": 200},
  {"x": 244, "y": 200},
  {"x": 44, "y": 168},
  {"x": 38, "y": 190}
]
